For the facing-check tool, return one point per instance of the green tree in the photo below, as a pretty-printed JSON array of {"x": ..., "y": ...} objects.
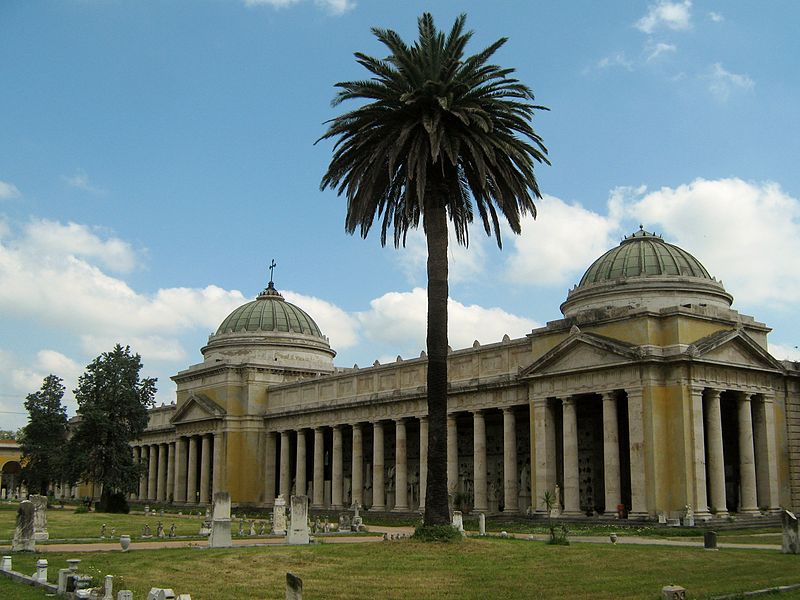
[
  {"x": 42, "y": 439},
  {"x": 8, "y": 434},
  {"x": 112, "y": 410},
  {"x": 438, "y": 135}
]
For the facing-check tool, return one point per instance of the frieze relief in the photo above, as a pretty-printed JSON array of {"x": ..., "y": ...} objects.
[
  {"x": 719, "y": 377},
  {"x": 587, "y": 382},
  {"x": 356, "y": 414}
]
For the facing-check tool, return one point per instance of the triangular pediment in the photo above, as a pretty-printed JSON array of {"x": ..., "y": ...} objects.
[
  {"x": 581, "y": 351},
  {"x": 197, "y": 408},
  {"x": 734, "y": 348}
]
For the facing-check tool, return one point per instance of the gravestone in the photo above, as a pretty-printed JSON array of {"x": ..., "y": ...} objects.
[
  {"x": 298, "y": 524},
  {"x": 5, "y": 565},
  {"x": 161, "y": 593},
  {"x": 358, "y": 520},
  {"x": 252, "y": 527},
  {"x": 458, "y": 520},
  {"x": 23, "y": 534},
  {"x": 673, "y": 592},
  {"x": 791, "y": 539},
  {"x": 344, "y": 524},
  {"x": 294, "y": 587},
  {"x": 108, "y": 588},
  {"x": 41, "y": 570},
  {"x": 710, "y": 540},
  {"x": 39, "y": 518},
  {"x": 221, "y": 522},
  {"x": 279, "y": 516},
  {"x": 124, "y": 595},
  {"x": 482, "y": 524}
]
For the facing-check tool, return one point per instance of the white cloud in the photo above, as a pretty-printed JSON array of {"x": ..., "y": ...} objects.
[
  {"x": 399, "y": 319},
  {"x": 782, "y": 352},
  {"x": 464, "y": 264},
  {"x": 80, "y": 181},
  {"x": 722, "y": 82},
  {"x": 562, "y": 241},
  {"x": 336, "y": 7},
  {"x": 618, "y": 59},
  {"x": 660, "y": 49},
  {"x": 8, "y": 190},
  {"x": 340, "y": 327},
  {"x": 716, "y": 17},
  {"x": 671, "y": 15},
  {"x": 741, "y": 232}
]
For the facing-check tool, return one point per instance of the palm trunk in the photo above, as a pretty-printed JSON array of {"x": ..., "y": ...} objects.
[{"x": 437, "y": 511}]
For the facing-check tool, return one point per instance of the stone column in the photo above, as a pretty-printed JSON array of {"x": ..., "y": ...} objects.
[
  {"x": 452, "y": 455},
  {"x": 319, "y": 468},
  {"x": 479, "y": 461},
  {"x": 766, "y": 454},
  {"x": 400, "y": 466},
  {"x": 543, "y": 444},
  {"x": 152, "y": 472},
  {"x": 191, "y": 478},
  {"x": 715, "y": 458},
  {"x": 378, "y": 489},
  {"x": 611, "y": 453},
  {"x": 170, "y": 472},
  {"x": 697, "y": 467},
  {"x": 636, "y": 451},
  {"x": 143, "y": 479},
  {"x": 205, "y": 468},
  {"x": 286, "y": 467},
  {"x": 510, "y": 492},
  {"x": 423, "y": 460},
  {"x": 300, "y": 478},
  {"x": 180, "y": 469},
  {"x": 748, "y": 501},
  {"x": 337, "y": 468},
  {"x": 219, "y": 481},
  {"x": 270, "y": 464},
  {"x": 358, "y": 465},
  {"x": 161, "y": 477},
  {"x": 571, "y": 480}
]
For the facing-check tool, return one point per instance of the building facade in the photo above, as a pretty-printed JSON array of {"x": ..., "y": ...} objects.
[{"x": 651, "y": 395}]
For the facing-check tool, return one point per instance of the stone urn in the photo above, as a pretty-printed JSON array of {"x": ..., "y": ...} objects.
[
  {"x": 124, "y": 541},
  {"x": 613, "y": 538}
]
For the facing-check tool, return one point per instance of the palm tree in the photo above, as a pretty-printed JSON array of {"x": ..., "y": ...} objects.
[{"x": 439, "y": 135}]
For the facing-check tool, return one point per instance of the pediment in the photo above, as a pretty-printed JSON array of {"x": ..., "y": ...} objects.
[
  {"x": 734, "y": 348},
  {"x": 198, "y": 407},
  {"x": 579, "y": 352}
]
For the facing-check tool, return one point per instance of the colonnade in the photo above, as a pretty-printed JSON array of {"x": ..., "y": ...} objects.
[
  {"x": 398, "y": 486},
  {"x": 187, "y": 470}
]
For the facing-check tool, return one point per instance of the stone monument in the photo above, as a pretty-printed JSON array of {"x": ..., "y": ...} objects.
[
  {"x": 221, "y": 522},
  {"x": 39, "y": 518},
  {"x": 23, "y": 534},
  {"x": 279, "y": 516},
  {"x": 791, "y": 539},
  {"x": 458, "y": 521},
  {"x": 298, "y": 524}
]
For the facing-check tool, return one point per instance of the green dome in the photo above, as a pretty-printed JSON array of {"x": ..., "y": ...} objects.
[
  {"x": 643, "y": 254},
  {"x": 269, "y": 312}
]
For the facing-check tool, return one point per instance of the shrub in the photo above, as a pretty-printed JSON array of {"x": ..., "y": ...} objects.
[
  {"x": 437, "y": 533},
  {"x": 115, "y": 502}
]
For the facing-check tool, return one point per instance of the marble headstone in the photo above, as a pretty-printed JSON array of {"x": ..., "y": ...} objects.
[
  {"x": 23, "y": 534},
  {"x": 458, "y": 520},
  {"x": 791, "y": 539},
  {"x": 298, "y": 524},
  {"x": 279, "y": 516},
  {"x": 221, "y": 522},
  {"x": 40, "y": 518}
]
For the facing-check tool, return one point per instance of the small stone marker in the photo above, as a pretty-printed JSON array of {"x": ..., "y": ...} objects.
[
  {"x": 23, "y": 533},
  {"x": 673, "y": 592},
  {"x": 221, "y": 523},
  {"x": 62, "y": 580},
  {"x": 108, "y": 588},
  {"x": 160, "y": 594},
  {"x": 710, "y": 540},
  {"x": 279, "y": 516},
  {"x": 6, "y": 564},
  {"x": 39, "y": 518},
  {"x": 41, "y": 570},
  {"x": 298, "y": 526},
  {"x": 791, "y": 536},
  {"x": 124, "y": 595},
  {"x": 458, "y": 520},
  {"x": 294, "y": 587},
  {"x": 482, "y": 524}
]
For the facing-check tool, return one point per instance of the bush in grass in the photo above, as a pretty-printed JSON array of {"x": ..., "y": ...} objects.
[
  {"x": 81, "y": 509},
  {"x": 437, "y": 533},
  {"x": 115, "y": 502}
]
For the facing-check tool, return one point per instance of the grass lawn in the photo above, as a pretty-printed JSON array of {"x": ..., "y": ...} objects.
[{"x": 473, "y": 569}]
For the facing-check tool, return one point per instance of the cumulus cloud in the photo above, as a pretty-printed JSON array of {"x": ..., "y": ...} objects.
[
  {"x": 8, "y": 190},
  {"x": 665, "y": 14},
  {"x": 741, "y": 231},
  {"x": 782, "y": 352},
  {"x": 340, "y": 327},
  {"x": 399, "y": 319},
  {"x": 721, "y": 82},
  {"x": 80, "y": 181},
  {"x": 562, "y": 241},
  {"x": 335, "y": 7}
]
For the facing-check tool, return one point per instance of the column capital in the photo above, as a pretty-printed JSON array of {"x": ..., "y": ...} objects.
[
  {"x": 609, "y": 396},
  {"x": 743, "y": 396},
  {"x": 697, "y": 391},
  {"x": 713, "y": 393},
  {"x": 508, "y": 409},
  {"x": 423, "y": 419},
  {"x": 568, "y": 401},
  {"x": 399, "y": 419},
  {"x": 356, "y": 425}
]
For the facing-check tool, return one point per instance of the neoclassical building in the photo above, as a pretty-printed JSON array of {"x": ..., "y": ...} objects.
[{"x": 651, "y": 392}]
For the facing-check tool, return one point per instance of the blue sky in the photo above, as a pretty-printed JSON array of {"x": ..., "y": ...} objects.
[{"x": 156, "y": 155}]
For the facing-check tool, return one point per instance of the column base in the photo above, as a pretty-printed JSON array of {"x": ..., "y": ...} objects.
[
  {"x": 377, "y": 509},
  {"x": 401, "y": 509},
  {"x": 511, "y": 511},
  {"x": 750, "y": 511},
  {"x": 638, "y": 516}
]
